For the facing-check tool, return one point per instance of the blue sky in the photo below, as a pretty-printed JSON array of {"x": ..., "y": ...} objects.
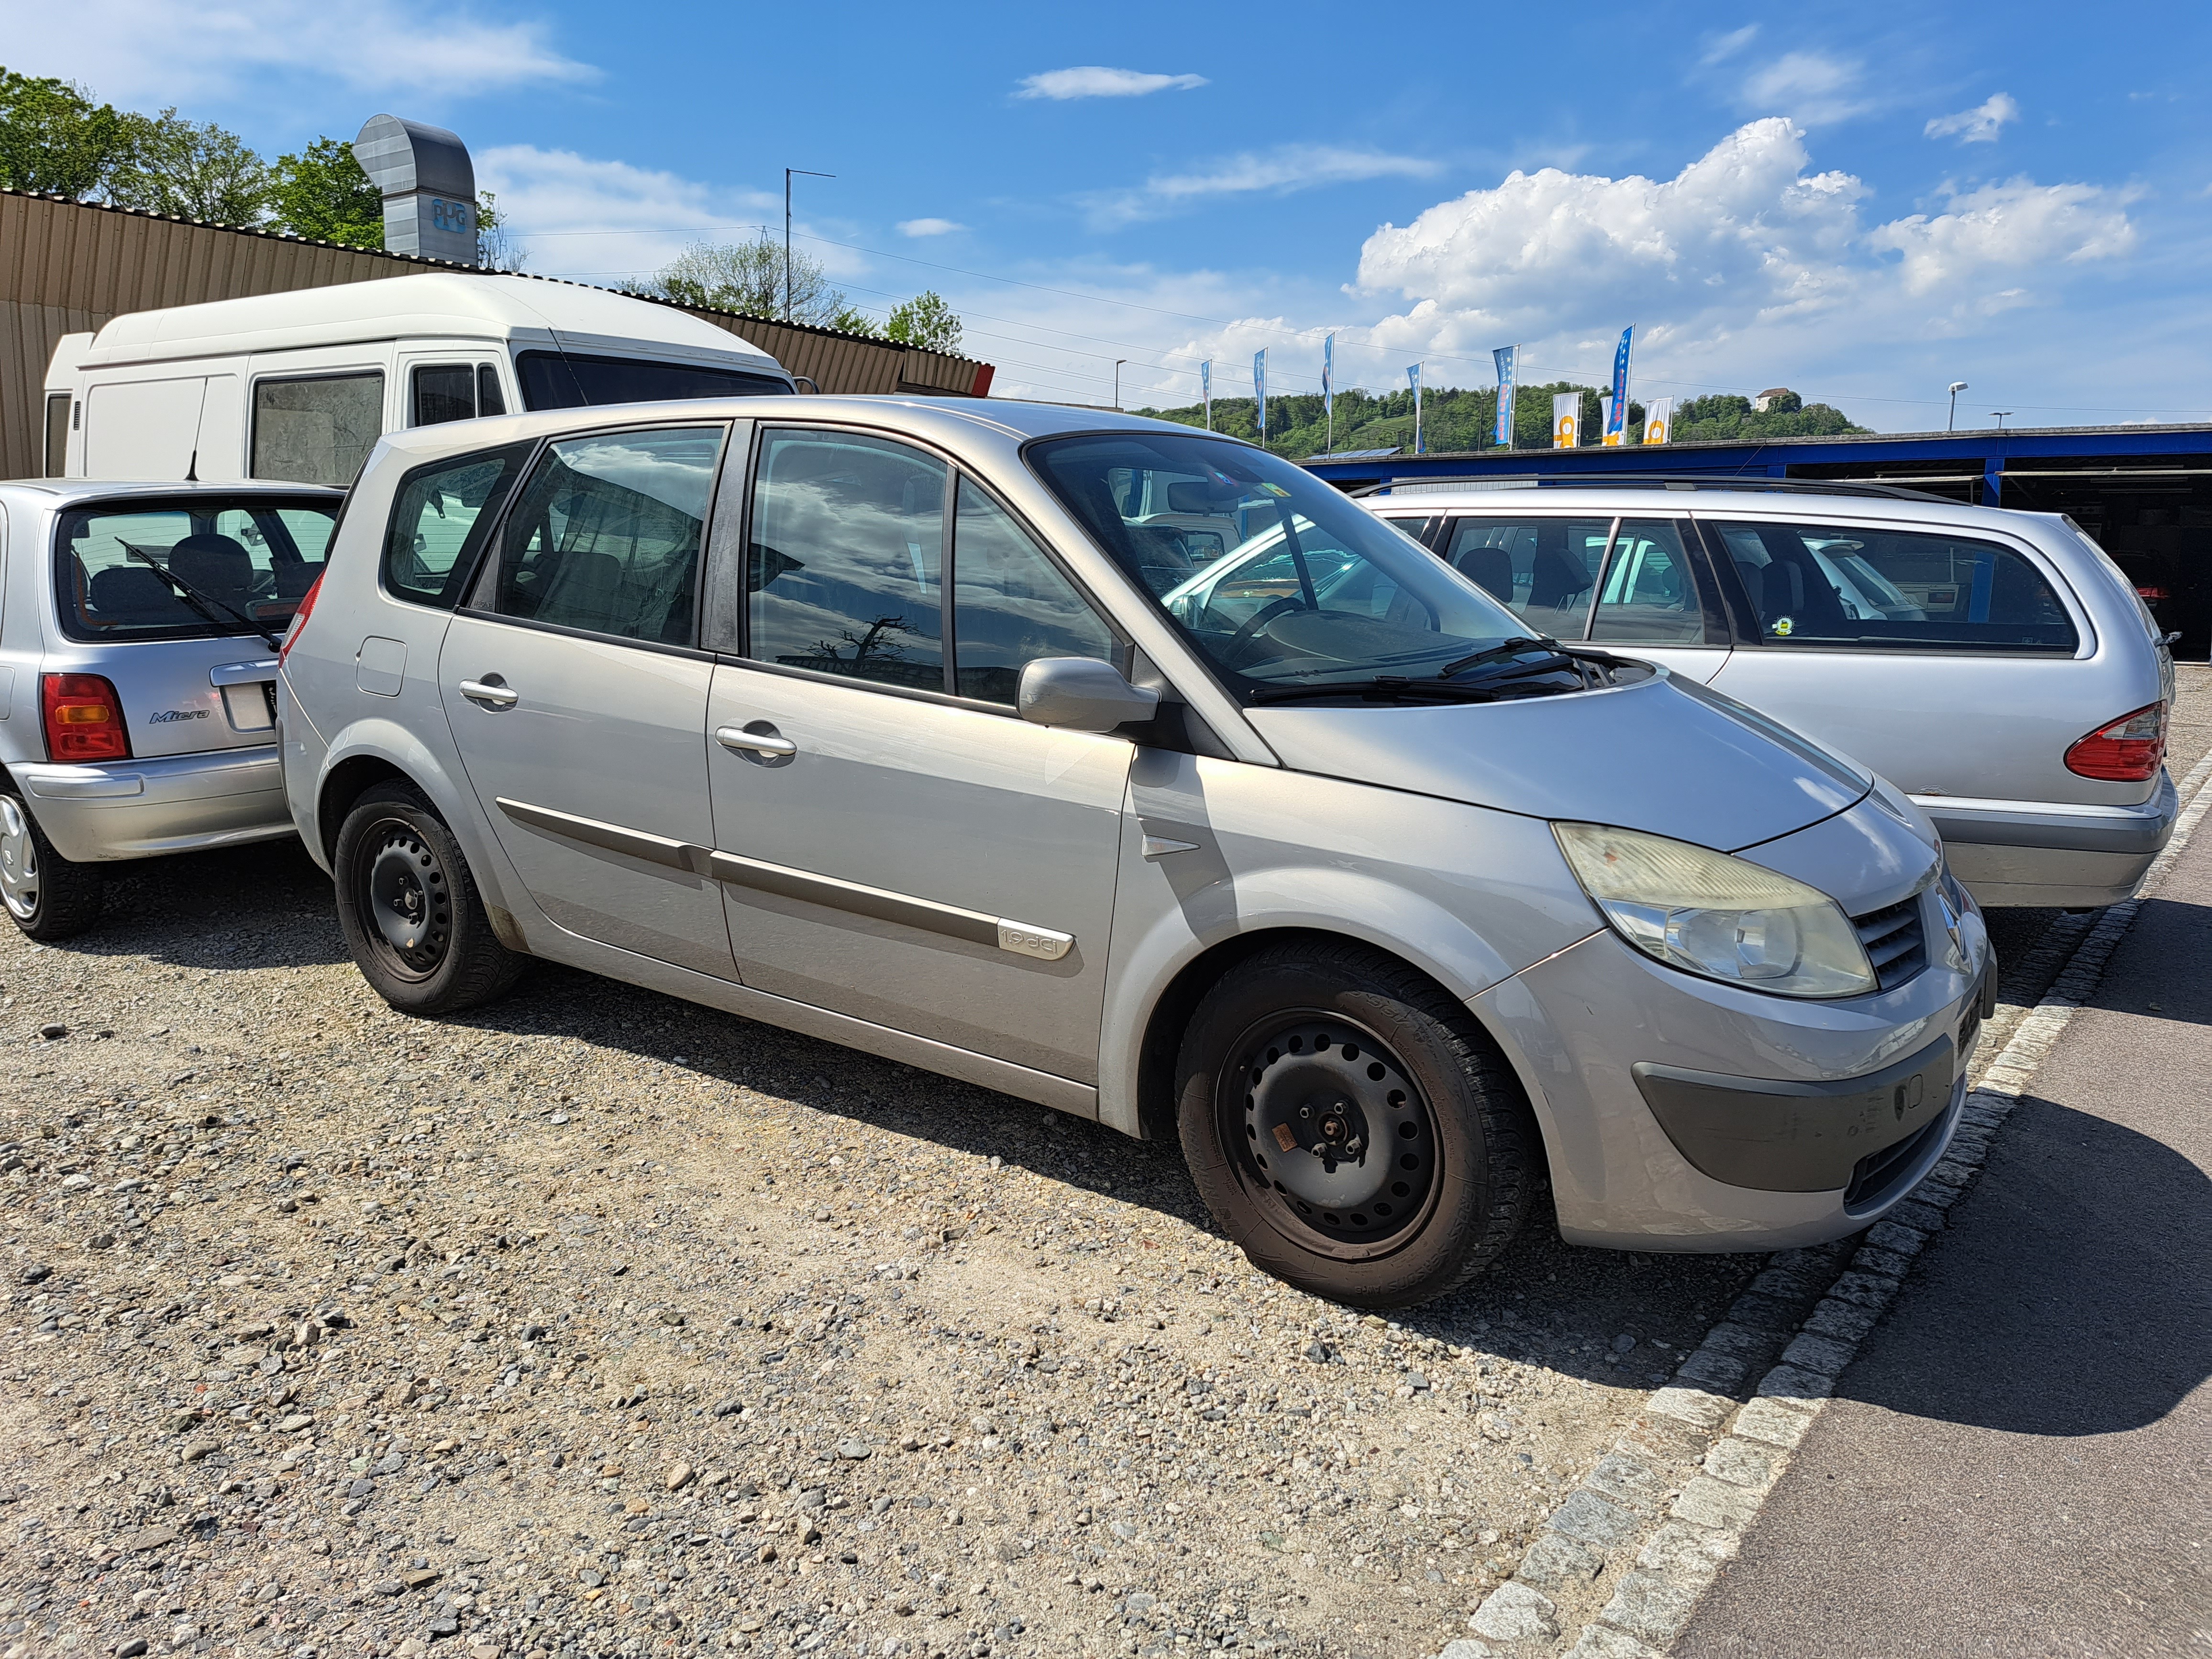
[{"x": 1862, "y": 203}]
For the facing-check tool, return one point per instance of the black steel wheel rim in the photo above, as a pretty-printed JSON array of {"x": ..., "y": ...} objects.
[
  {"x": 406, "y": 898},
  {"x": 1328, "y": 1134}
]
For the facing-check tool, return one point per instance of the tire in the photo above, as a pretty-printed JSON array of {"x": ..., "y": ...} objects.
[
  {"x": 45, "y": 896},
  {"x": 410, "y": 909},
  {"x": 1306, "y": 1047}
]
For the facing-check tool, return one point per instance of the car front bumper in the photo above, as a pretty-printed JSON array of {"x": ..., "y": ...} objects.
[
  {"x": 143, "y": 808},
  {"x": 2023, "y": 853},
  {"x": 1680, "y": 1114}
]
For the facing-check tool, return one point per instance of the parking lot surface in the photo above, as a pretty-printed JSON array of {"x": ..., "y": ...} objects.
[{"x": 596, "y": 1322}]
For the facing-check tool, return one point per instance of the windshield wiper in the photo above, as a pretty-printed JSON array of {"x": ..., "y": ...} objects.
[
  {"x": 199, "y": 601},
  {"x": 1382, "y": 688},
  {"x": 1552, "y": 657}
]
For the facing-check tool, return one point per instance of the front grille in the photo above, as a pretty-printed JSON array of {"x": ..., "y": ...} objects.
[{"x": 1896, "y": 942}]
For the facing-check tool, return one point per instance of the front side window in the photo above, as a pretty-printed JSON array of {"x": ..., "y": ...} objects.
[
  {"x": 845, "y": 573},
  {"x": 568, "y": 380},
  {"x": 604, "y": 537},
  {"x": 317, "y": 430},
  {"x": 439, "y": 519},
  {"x": 1894, "y": 590},
  {"x": 438, "y": 392},
  {"x": 1011, "y": 605},
  {"x": 1648, "y": 593},
  {"x": 1544, "y": 569},
  {"x": 159, "y": 570},
  {"x": 1318, "y": 593}
]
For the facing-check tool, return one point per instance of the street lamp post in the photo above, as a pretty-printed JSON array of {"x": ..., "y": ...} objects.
[
  {"x": 2000, "y": 414},
  {"x": 1118, "y": 361},
  {"x": 1956, "y": 387},
  {"x": 803, "y": 173}
]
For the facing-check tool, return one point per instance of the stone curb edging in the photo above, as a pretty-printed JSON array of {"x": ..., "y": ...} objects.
[{"x": 1685, "y": 1481}]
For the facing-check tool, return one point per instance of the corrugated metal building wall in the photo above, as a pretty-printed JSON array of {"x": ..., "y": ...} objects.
[{"x": 66, "y": 267}]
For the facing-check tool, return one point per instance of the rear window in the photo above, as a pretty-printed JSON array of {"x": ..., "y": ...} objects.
[
  {"x": 564, "y": 379},
  {"x": 153, "y": 569},
  {"x": 442, "y": 514},
  {"x": 1816, "y": 586}
]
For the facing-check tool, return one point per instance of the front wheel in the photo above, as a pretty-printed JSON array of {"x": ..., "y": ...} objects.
[
  {"x": 47, "y": 895},
  {"x": 1351, "y": 1127},
  {"x": 410, "y": 910}
]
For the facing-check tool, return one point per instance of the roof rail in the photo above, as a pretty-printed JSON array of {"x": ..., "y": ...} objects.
[{"x": 1654, "y": 480}]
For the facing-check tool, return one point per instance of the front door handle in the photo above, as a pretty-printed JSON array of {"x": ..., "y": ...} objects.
[
  {"x": 490, "y": 694},
  {"x": 756, "y": 743}
]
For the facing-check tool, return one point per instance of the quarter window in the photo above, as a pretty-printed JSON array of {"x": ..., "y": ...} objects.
[
  {"x": 440, "y": 519},
  {"x": 1010, "y": 604},
  {"x": 1861, "y": 586},
  {"x": 604, "y": 537},
  {"x": 845, "y": 573},
  {"x": 1649, "y": 595},
  {"x": 1544, "y": 569},
  {"x": 318, "y": 430}
]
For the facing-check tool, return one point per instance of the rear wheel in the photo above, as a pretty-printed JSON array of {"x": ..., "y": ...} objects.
[
  {"x": 410, "y": 909},
  {"x": 46, "y": 894},
  {"x": 1350, "y": 1126}
]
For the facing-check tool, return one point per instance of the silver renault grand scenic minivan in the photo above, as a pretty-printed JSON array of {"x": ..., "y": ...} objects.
[{"x": 904, "y": 724}]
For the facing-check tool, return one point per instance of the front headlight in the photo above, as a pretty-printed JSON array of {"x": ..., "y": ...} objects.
[{"x": 1706, "y": 912}]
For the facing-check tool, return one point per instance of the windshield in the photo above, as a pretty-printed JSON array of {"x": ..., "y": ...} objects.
[
  {"x": 568, "y": 380},
  {"x": 1276, "y": 579},
  {"x": 133, "y": 571}
]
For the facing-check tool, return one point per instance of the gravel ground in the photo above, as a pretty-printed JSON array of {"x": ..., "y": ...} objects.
[{"x": 598, "y": 1323}]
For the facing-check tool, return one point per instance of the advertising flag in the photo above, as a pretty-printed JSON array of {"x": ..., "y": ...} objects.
[
  {"x": 1616, "y": 422},
  {"x": 1259, "y": 388},
  {"x": 1658, "y": 420},
  {"x": 1206, "y": 389},
  {"x": 1413, "y": 379},
  {"x": 1566, "y": 419},
  {"x": 1605, "y": 417},
  {"x": 1508, "y": 373},
  {"x": 1329, "y": 392}
]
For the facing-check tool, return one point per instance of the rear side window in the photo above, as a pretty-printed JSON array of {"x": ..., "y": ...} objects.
[
  {"x": 57, "y": 428},
  {"x": 605, "y": 538},
  {"x": 1814, "y": 585},
  {"x": 317, "y": 430},
  {"x": 439, "y": 522},
  {"x": 1544, "y": 569},
  {"x": 154, "y": 569},
  {"x": 1649, "y": 595},
  {"x": 567, "y": 379}
]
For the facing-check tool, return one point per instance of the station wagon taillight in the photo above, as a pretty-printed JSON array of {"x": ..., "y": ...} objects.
[
  {"x": 83, "y": 718},
  {"x": 300, "y": 616},
  {"x": 2131, "y": 748}
]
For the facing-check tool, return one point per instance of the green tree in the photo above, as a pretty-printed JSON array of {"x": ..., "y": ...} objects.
[
  {"x": 926, "y": 321},
  {"x": 749, "y": 278},
  {"x": 496, "y": 249},
  {"x": 1723, "y": 417},
  {"x": 190, "y": 171},
  {"x": 54, "y": 139},
  {"x": 322, "y": 194}
]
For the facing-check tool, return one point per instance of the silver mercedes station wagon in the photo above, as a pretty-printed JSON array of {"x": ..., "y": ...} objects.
[
  {"x": 909, "y": 725},
  {"x": 138, "y": 632}
]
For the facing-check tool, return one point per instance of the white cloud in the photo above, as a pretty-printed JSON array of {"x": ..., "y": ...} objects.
[
  {"x": 1281, "y": 171},
  {"x": 145, "y": 52},
  {"x": 599, "y": 220},
  {"x": 1978, "y": 126},
  {"x": 2009, "y": 226},
  {"x": 1093, "y": 80},
  {"x": 1811, "y": 87},
  {"x": 1719, "y": 48},
  {"x": 928, "y": 226}
]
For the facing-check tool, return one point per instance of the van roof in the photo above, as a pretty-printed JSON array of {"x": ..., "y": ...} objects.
[{"x": 442, "y": 303}]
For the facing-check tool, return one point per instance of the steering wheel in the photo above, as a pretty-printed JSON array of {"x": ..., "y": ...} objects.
[{"x": 1232, "y": 653}]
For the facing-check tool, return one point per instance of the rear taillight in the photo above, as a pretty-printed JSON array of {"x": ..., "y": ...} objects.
[
  {"x": 83, "y": 718},
  {"x": 300, "y": 616},
  {"x": 2129, "y": 750}
]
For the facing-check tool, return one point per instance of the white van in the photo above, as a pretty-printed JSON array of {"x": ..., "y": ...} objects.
[{"x": 298, "y": 387}]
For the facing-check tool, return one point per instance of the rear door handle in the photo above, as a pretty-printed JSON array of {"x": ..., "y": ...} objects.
[
  {"x": 489, "y": 694},
  {"x": 757, "y": 742}
]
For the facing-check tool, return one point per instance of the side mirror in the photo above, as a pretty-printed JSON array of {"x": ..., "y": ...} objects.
[{"x": 1081, "y": 693}]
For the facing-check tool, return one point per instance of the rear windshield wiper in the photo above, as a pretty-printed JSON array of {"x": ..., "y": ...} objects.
[{"x": 199, "y": 601}]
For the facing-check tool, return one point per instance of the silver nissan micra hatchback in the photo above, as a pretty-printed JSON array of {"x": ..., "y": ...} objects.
[{"x": 1129, "y": 769}]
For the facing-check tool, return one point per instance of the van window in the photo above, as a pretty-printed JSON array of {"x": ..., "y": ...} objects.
[
  {"x": 317, "y": 430},
  {"x": 1818, "y": 586},
  {"x": 57, "y": 428},
  {"x": 604, "y": 537},
  {"x": 117, "y": 571},
  {"x": 565, "y": 379},
  {"x": 439, "y": 520},
  {"x": 1545, "y": 569},
  {"x": 438, "y": 392}
]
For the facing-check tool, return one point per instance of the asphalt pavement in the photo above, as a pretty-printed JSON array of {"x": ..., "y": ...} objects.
[{"x": 2020, "y": 1461}]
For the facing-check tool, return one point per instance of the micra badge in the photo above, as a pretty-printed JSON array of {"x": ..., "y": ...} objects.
[{"x": 169, "y": 715}]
